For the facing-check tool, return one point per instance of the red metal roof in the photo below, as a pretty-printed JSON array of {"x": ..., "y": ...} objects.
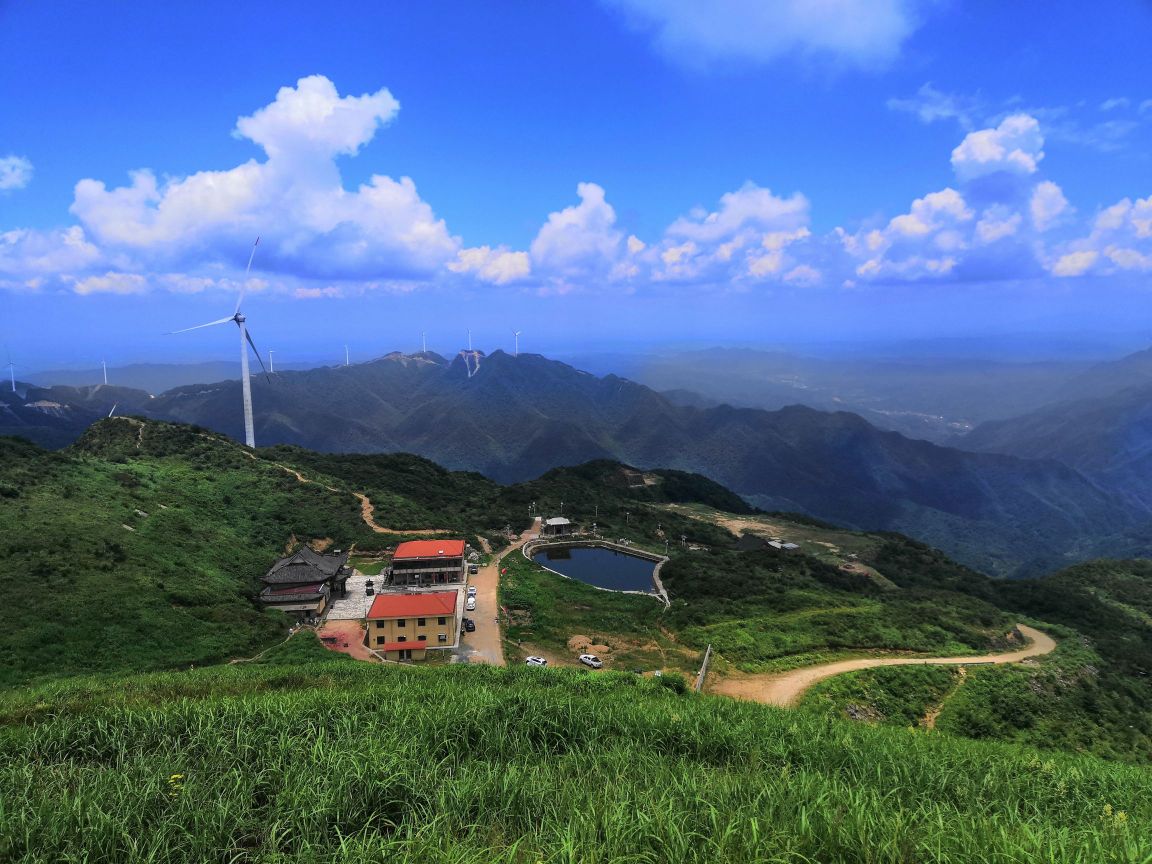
[
  {"x": 413, "y": 605},
  {"x": 429, "y": 549},
  {"x": 402, "y": 646}
]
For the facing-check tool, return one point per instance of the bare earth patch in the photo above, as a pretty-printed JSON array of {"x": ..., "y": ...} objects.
[{"x": 584, "y": 645}]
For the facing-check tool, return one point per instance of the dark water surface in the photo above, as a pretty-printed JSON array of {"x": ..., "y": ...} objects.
[{"x": 604, "y": 568}]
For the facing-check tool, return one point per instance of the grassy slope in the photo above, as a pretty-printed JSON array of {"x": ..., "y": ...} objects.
[
  {"x": 894, "y": 696},
  {"x": 90, "y": 595},
  {"x": 318, "y": 762},
  {"x": 177, "y": 590}
]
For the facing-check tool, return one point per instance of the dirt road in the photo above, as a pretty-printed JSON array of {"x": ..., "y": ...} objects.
[
  {"x": 486, "y": 644},
  {"x": 786, "y": 688}
]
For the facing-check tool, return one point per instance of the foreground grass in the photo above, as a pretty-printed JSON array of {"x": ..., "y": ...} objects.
[{"x": 335, "y": 761}]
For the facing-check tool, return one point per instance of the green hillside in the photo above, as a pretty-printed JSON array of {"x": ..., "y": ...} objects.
[
  {"x": 145, "y": 559},
  {"x": 140, "y": 548},
  {"x": 319, "y": 762}
]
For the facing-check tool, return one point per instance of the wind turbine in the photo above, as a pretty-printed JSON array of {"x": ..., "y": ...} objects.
[
  {"x": 11, "y": 368},
  {"x": 423, "y": 341},
  {"x": 245, "y": 382},
  {"x": 517, "y": 333},
  {"x": 113, "y": 411},
  {"x": 271, "y": 365},
  {"x": 104, "y": 364},
  {"x": 469, "y": 338},
  {"x": 346, "y": 360}
]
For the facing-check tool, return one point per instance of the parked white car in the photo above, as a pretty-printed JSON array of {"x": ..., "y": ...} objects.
[
  {"x": 536, "y": 661},
  {"x": 591, "y": 660},
  {"x": 470, "y": 606},
  {"x": 471, "y": 590}
]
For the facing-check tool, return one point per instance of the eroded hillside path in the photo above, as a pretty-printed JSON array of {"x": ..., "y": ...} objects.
[
  {"x": 784, "y": 689},
  {"x": 367, "y": 509}
]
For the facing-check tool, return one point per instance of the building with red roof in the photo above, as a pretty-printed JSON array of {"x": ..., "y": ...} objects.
[
  {"x": 404, "y": 626},
  {"x": 428, "y": 562}
]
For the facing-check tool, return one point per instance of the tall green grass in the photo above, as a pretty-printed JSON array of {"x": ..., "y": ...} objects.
[{"x": 340, "y": 762}]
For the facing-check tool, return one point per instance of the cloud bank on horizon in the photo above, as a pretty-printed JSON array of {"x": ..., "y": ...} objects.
[{"x": 1000, "y": 220}]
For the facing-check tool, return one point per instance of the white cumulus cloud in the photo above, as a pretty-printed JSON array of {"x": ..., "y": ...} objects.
[
  {"x": 1015, "y": 146},
  {"x": 580, "y": 241},
  {"x": 15, "y": 173},
  {"x": 312, "y": 225},
  {"x": 1048, "y": 204},
  {"x": 863, "y": 32},
  {"x": 499, "y": 266}
]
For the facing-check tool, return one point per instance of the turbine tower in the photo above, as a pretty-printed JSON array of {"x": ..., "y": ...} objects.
[
  {"x": 245, "y": 342},
  {"x": 346, "y": 360},
  {"x": 11, "y": 368},
  {"x": 469, "y": 338},
  {"x": 517, "y": 333},
  {"x": 104, "y": 364},
  {"x": 423, "y": 341},
  {"x": 271, "y": 365}
]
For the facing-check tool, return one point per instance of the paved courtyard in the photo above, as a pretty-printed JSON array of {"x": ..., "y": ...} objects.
[{"x": 356, "y": 604}]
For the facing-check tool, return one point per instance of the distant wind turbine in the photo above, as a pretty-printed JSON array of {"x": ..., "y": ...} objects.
[
  {"x": 347, "y": 362},
  {"x": 11, "y": 368},
  {"x": 423, "y": 341},
  {"x": 271, "y": 365},
  {"x": 113, "y": 411},
  {"x": 104, "y": 364},
  {"x": 469, "y": 338},
  {"x": 245, "y": 382},
  {"x": 517, "y": 333}
]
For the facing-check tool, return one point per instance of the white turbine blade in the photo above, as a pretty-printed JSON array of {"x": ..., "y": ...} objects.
[
  {"x": 248, "y": 336},
  {"x": 113, "y": 411},
  {"x": 247, "y": 270},
  {"x": 198, "y": 326}
]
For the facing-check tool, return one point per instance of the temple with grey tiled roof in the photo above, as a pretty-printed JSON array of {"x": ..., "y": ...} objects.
[{"x": 303, "y": 583}]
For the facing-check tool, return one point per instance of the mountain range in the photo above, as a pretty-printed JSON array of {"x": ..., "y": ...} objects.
[{"x": 512, "y": 418}]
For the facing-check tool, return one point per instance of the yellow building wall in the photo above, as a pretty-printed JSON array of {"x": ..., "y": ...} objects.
[{"x": 380, "y": 631}]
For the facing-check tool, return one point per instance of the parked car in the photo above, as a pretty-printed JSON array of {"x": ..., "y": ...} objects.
[
  {"x": 469, "y": 625},
  {"x": 473, "y": 569},
  {"x": 471, "y": 590},
  {"x": 369, "y": 583},
  {"x": 368, "y": 592},
  {"x": 471, "y": 604},
  {"x": 536, "y": 661},
  {"x": 591, "y": 660}
]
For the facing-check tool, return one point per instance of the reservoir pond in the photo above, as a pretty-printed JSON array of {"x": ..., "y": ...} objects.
[{"x": 604, "y": 568}]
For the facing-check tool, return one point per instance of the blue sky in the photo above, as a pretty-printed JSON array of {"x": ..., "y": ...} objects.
[{"x": 599, "y": 174}]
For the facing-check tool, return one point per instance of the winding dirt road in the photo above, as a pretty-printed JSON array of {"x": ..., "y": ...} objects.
[{"x": 785, "y": 688}]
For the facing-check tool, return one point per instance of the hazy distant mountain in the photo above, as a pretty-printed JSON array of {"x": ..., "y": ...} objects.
[
  {"x": 516, "y": 417},
  {"x": 1107, "y": 378},
  {"x": 1107, "y": 438},
  {"x": 1101, "y": 426},
  {"x": 934, "y": 399},
  {"x": 56, "y": 416},
  {"x": 151, "y": 377}
]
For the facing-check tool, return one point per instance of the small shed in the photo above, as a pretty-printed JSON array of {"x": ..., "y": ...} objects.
[{"x": 557, "y": 526}]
